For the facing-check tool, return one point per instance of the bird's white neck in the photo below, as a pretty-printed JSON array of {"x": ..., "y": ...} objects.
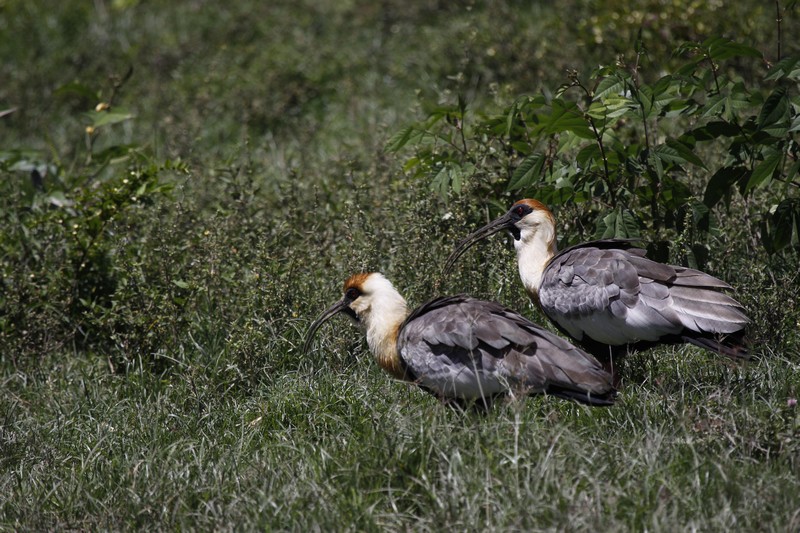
[
  {"x": 382, "y": 314},
  {"x": 535, "y": 247}
]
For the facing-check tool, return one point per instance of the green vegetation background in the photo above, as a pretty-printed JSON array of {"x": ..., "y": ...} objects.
[{"x": 162, "y": 258}]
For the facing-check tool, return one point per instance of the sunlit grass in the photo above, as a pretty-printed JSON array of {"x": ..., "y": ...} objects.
[{"x": 327, "y": 448}]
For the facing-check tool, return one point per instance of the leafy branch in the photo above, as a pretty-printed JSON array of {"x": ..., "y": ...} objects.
[{"x": 633, "y": 151}]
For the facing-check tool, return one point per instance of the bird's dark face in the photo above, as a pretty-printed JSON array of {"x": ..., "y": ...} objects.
[
  {"x": 511, "y": 221},
  {"x": 351, "y": 295},
  {"x": 514, "y": 217}
]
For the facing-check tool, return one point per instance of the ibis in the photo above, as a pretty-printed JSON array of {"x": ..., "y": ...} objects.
[
  {"x": 609, "y": 297},
  {"x": 464, "y": 350}
]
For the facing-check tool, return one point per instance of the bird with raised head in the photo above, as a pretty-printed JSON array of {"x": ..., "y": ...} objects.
[
  {"x": 609, "y": 297},
  {"x": 466, "y": 350}
]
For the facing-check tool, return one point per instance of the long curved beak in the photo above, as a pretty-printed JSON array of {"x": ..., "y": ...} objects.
[
  {"x": 495, "y": 226},
  {"x": 338, "y": 307}
]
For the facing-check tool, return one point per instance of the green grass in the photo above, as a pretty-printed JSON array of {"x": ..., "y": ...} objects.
[
  {"x": 150, "y": 367},
  {"x": 697, "y": 444}
]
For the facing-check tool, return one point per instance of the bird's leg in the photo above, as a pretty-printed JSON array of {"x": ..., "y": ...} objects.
[
  {"x": 611, "y": 368},
  {"x": 479, "y": 406},
  {"x": 456, "y": 404}
]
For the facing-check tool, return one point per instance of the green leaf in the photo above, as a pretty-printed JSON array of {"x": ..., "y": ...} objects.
[
  {"x": 679, "y": 106},
  {"x": 688, "y": 70},
  {"x": 720, "y": 48},
  {"x": 644, "y": 99},
  {"x": 441, "y": 182},
  {"x": 697, "y": 256},
  {"x": 552, "y": 195},
  {"x": 673, "y": 193},
  {"x": 612, "y": 107},
  {"x": 775, "y": 108},
  {"x": 510, "y": 116},
  {"x": 721, "y": 182},
  {"x": 527, "y": 172},
  {"x": 588, "y": 155},
  {"x": 701, "y": 216},
  {"x": 712, "y": 130},
  {"x": 781, "y": 226},
  {"x": 451, "y": 176},
  {"x": 78, "y": 89},
  {"x": 764, "y": 170},
  {"x": 400, "y": 139},
  {"x": 715, "y": 106},
  {"x": 774, "y": 132},
  {"x": 567, "y": 116},
  {"x": 106, "y": 118},
  {"x": 456, "y": 178},
  {"x": 612, "y": 85},
  {"x": 738, "y": 98},
  {"x": 522, "y": 147},
  {"x": 675, "y": 151},
  {"x": 58, "y": 199},
  {"x": 411, "y": 163},
  {"x": 664, "y": 94},
  {"x": 785, "y": 68},
  {"x": 523, "y": 105},
  {"x": 619, "y": 224},
  {"x": 793, "y": 170},
  {"x": 180, "y": 283},
  {"x": 114, "y": 153},
  {"x": 687, "y": 47}
]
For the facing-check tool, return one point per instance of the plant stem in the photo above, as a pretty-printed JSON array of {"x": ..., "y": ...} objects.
[
  {"x": 606, "y": 173},
  {"x": 599, "y": 137},
  {"x": 779, "y": 20}
]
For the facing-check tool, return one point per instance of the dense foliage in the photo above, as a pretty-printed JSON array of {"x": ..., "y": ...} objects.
[{"x": 635, "y": 154}]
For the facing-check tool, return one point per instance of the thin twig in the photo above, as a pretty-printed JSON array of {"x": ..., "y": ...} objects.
[
  {"x": 598, "y": 136},
  {"x": 779, "y": 20}
]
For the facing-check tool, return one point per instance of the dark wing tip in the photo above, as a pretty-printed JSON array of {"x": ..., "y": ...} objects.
[
  {"x": 732, "y": 345},
  {"x": 606, "y": 399}
]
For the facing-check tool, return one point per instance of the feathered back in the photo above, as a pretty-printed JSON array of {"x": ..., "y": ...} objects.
[
  {"x": 611, "y": 293},
  {"x": 462, "y": 347}
]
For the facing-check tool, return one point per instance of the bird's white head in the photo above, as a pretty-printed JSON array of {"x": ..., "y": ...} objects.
[
  {"x": 372, "y": 301},
  {"x": 531, "y": 224},
  {"x": 527, "y": 218},
  {"x": 533, "y": 227}
]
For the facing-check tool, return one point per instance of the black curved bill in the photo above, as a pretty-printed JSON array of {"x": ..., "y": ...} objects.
[
  {"x": 495, "y": 226},
  {"x": 338, "y": 307}
]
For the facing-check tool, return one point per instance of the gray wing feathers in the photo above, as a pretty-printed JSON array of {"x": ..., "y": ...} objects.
[
  {"x": 444, "y": 329},
  {"x": 631, "y": 293},
  {"x": 470, "y": 339},
  {"x": 694, "y": 278},
  {"x": 707, "y": 310},
  {"x": 562, "y": 363},
  {"x": 587, "y": 281}
]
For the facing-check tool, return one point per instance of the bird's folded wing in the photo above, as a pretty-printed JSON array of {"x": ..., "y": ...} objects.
[{"x": 465, "y": 340}]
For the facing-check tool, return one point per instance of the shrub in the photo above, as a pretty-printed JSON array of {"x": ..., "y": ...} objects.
[{"x": 632, "y": 154}]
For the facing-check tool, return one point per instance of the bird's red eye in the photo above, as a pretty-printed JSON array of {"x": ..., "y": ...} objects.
[
  {"x": 352, "y": 293},
  {"x": 520, "y": 210}
]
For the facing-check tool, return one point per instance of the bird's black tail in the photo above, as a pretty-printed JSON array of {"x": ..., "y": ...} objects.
[
  {"x": 733, "y": 345},
  {"x": 586, "y": 398}
]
